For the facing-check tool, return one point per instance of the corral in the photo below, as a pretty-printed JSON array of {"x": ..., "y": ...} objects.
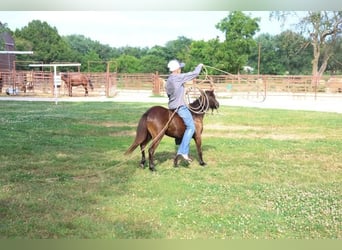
[{"x": 40, "y": 83}]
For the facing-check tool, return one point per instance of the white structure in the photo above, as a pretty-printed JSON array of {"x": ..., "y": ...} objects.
[
  {"x": 56, "y": 78},
  {"x": 248, "y": 69}
]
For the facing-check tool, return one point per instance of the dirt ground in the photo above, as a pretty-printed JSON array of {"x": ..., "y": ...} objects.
[{"x": 309, "y": 102}]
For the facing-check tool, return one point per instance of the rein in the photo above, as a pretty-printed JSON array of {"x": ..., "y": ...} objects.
[{"x": 161, "y": 133}]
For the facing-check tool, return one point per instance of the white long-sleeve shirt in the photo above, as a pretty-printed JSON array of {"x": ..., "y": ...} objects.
[{"x": 175, "y": 87}]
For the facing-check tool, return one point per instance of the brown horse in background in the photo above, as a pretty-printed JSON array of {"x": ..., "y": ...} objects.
[
  {"x": 77, "y": 80},
  {"x": 158, "y": 121}
]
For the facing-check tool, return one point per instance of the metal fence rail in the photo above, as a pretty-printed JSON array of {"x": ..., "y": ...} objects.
[{"x": 40, "y": 83}]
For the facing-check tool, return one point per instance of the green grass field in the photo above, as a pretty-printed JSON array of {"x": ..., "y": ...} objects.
[{"x": 270, "y": 174}]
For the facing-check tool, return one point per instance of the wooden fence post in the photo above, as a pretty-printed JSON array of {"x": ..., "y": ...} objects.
[{"x": 156, "y": 84}]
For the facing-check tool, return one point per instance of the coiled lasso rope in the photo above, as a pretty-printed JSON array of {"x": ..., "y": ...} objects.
[{"x": 197, "y": 94}]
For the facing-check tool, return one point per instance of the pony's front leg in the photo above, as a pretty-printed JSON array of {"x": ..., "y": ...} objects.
[
  {"x": 86, "y": 91},
  {"x": 198, "y": 141}
]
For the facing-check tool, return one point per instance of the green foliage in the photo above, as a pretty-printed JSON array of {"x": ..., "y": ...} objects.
[
  {"x": 335, "y": 64},
  {"x": 92, "y": 62},
  {"x": 294, "y": 53},
  {"x": 153, "y": 63},
  {"x": 239, "y": 30},
  {"x": 323, "y": 29},
  {"x": 178, "y": 49},
  {"x": 128, "y": 64},
  {"x": 287, "y": 53},
  {"x": 45, "y": 41},
  {"x": 82, "y": 45},
  {"x": 269, "y": 59}
]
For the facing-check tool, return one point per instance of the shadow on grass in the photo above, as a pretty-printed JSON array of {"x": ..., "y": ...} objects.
[{"x": 167, "y": 157}]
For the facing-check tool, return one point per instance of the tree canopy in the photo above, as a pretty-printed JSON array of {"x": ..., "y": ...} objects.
[
  {"x": 323, "y": 30},
  {"x": 239, "y": 30},
  {"x": 312, "y": 50}
]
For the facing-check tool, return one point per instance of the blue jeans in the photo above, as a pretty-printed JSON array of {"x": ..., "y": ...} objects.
[{"x": 185, "y": 114}]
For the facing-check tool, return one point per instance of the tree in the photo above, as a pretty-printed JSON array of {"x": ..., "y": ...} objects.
[
  {"x": 44, "y": 40},
  {"x": 335, "y": 63},
  {"x": 136, "y": 52},
  {"x": 199, "y": 53},
  {"x": 178, "y": 49},
  {"x": 285, "y": 53},
  {"x": 239, "y": 30},
  {"x": 152, "y": 63},
  {"x": 159, "y": 51},
  {"x": 206, "y": 52},
  {"x": 128, "y": 64},
  {"x": 269, "y": 59},
  {"x": 323, "y": 30},
  {"x": 92, "y": 62},
  {"x": 293, "y": 53},
  {"x": 79, "y": 43}
]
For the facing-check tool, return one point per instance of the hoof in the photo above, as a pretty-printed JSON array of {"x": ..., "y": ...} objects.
[
  {"x": 184, "y": 161},
  {"x": 142, "y": 165},
  {"x": 184, "y": 158},
  {"x": 175, "y": 161},
  {"x": 203, "y": 163},
  {"x": 153, "y": 169}
]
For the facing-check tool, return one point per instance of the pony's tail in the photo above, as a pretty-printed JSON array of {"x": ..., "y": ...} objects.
[{"x": 140, "y": 135}]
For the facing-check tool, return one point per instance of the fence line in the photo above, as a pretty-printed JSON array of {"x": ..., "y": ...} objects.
[{"x": 40, "y": 83}]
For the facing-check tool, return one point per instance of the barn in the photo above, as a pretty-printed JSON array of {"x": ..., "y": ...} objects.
[{"x": 6, "y": 44}]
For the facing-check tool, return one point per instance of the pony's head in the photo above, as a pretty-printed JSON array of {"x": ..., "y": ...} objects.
[
  {"x": 213, "y": 103},
  {"x": 207, "y": 100}
]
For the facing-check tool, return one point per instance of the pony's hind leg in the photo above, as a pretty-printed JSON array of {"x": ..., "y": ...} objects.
[
  {"x": 143, "y": 157},
  {"x": 151, "y": 151},
  {"x": 142, "y": 150}
]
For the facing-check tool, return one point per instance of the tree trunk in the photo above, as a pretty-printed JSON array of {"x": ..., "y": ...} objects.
[
  {"x": 315, "y": 65},
  {"x": 323, "y": 65},
  {"x": 316, "y": 54}
]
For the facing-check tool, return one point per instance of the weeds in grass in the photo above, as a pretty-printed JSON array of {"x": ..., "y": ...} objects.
[{"x": 271, "y": 174}]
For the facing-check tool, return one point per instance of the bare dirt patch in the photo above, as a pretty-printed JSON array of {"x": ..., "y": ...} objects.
[{"x": 252, "y": 132}]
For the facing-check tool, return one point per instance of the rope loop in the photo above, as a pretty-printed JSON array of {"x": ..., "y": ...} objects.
[
  {"x": 196, "y": 100},
  {"x": 195, "y": 97}
]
